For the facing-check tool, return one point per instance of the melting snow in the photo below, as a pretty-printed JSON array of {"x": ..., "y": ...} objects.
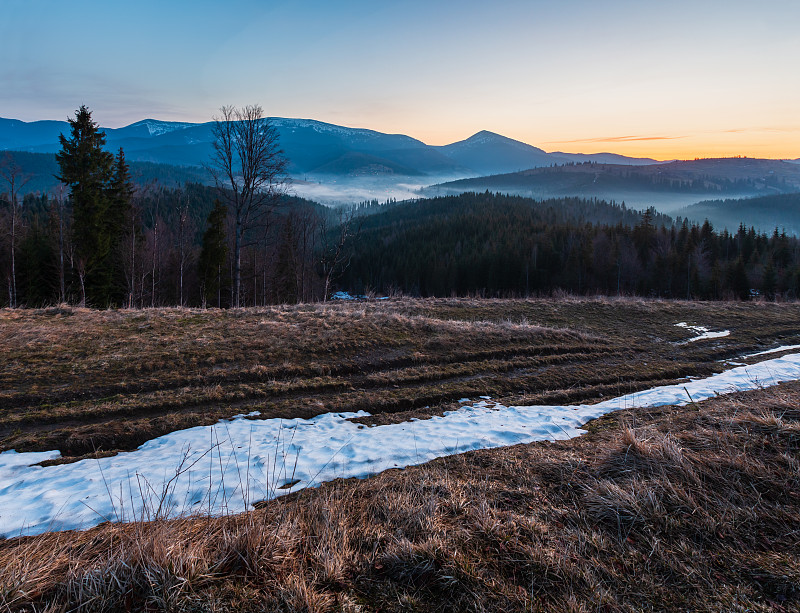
[
  {"x": 156, "y": 127},
  {"x": 776, "y": 350},
  {"x": 225, "y": 468},
  {"x": 702, "y": 332}
]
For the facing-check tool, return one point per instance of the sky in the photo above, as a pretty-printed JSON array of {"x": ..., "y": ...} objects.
[{"x": 678, "y": 79}]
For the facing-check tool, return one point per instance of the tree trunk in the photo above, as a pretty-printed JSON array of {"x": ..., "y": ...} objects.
[
  {"x": 13, "y": 250},
  {"x": 153, "y": 271},
  {"x": 182, "y": 262},
  {"x": 62, "y": 295},
  {"x": 82, "y": 277},
  {"x": 237, "y": 264},
  {"x": 132, "y": 284}
]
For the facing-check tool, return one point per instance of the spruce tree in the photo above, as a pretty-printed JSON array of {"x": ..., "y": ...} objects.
[
  {"x": 213, "y": 254},
  {"x": 87, "y": 169},
  {"x": 121, "y": 224},
  {"x": 738, "y": 281}
]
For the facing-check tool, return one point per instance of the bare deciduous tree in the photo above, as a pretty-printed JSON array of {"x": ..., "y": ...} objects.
[
  {"x": 185, "y": 231},
  {"x": 60, "y": 201},
  {"x": 337, "y": 246},
  {"x": 249, "y": 169},
  {"x": 155, "y": 251},
  {"x": 11, "y": 172},
  {"x": 307, "y": 222}
]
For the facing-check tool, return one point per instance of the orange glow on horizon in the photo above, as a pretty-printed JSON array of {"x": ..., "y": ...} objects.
[
  {"x": 771, "y": 144},
  {"x": 670, "y": 136}
]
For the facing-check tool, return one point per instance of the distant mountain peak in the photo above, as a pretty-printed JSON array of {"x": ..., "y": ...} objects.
[
  {"x": 486, "y": 134},
  {"x": 485, "y": 137}
]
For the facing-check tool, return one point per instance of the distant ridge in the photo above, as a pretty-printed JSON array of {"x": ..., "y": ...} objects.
[
  {"x": 666, "y": 185},
  {"x": 606, "y": 158}
]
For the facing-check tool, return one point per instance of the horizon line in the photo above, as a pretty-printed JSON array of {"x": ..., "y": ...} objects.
[{"x": 609, "y": 139}]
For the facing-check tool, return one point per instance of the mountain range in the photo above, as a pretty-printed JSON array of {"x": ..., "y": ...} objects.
[
  {"x": 334, "y": 164},
  {"x": 314, "y": 148}
]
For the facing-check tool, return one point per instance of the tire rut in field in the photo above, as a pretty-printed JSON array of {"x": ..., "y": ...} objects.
[
  {"x": 25, "y": 400},
  {"x": 389, "y": 398},
  {"x": 44, "y": 421}
]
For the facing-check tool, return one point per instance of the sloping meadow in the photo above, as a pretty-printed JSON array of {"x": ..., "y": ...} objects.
[
  {"x": 95, "y": 382},
  {"x": 672, "y": 508}
]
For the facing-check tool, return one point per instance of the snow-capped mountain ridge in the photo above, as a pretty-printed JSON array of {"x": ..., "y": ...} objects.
[
  {"x": 353, "y": 135},
  {"x": 156, "y": 127},
  {"x": 310, "y": 146}
]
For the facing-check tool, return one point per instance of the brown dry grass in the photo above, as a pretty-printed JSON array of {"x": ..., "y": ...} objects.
[
  {"x": 83, "y": 381},
  {"x": 692, "y": 508}
]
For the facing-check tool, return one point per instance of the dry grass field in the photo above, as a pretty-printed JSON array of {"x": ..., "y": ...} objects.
[
  {"x": 676, "y": 508},
  {"x": 88, "y": 382}
]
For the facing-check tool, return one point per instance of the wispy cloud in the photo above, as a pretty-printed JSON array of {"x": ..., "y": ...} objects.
[
  {"x": 614, "y": 139},
  {"x": 784, "y": 129}
]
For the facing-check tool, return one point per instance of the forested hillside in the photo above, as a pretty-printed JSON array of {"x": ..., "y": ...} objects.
[
  {"x": 497, "y": 245},
  {"x": 765, "y": 212},
  {"x": 667, "y": 186}
]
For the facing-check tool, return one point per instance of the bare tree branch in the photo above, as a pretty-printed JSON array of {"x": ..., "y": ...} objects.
[
  {"x": 249, "y": 170},
  {"x": 337, "y": 249}
]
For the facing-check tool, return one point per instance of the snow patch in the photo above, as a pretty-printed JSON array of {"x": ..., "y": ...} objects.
[
  {"x": 157, "y": 128},
  {"x": 776, "y": 350},
  {"x": 343, "y": 296},
  {"x": 702, "y": 332},
  {"x": 352, "y": 135},
  {"x": 226, "y": 467}
]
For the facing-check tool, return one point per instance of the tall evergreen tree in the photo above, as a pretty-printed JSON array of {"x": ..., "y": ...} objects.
[
  {"x": 87, "y": 169},
  {"x": 121, "y": 225},
  {"x": 738, "y": 281},
  {"x": 213, "y": 254}
]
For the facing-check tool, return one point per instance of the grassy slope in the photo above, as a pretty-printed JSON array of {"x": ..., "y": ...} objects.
[
  {"x": 692, "y": 508},
  {"x": 85, "y": 381}
]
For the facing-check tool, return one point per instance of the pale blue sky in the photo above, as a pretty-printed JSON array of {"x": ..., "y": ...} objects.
[{"x": 694, "y": 75}]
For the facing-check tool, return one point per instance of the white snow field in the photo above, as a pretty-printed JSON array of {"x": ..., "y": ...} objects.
[{"x": 226, "y": 467}]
